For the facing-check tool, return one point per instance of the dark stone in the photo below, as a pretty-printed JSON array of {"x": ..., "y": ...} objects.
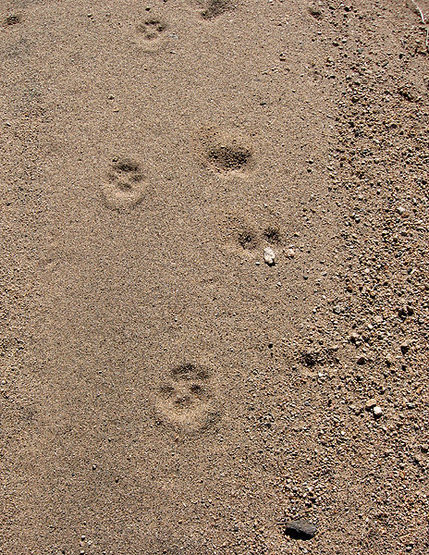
[
  {"x": 402, "y": 312},
  {"x": 405, "y": 348},
  {"x": 405, "y": 311},
  {"x": 315, "y": 11},
  {"x": 12, "y": 19},
  {"x": 300, "y": 529}
]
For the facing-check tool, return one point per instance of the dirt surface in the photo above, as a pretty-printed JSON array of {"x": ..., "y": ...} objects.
[{"x": 163, "y": 389}]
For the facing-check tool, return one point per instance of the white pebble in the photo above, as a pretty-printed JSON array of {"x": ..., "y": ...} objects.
[
  {"x": 377, "y": 411},
  {"x": 269, "y": 256}
]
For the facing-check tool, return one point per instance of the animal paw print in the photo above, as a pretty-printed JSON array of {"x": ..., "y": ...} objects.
[
  {"x": 150, "y": 33},
  {"x": 151, "y": 29},
  {"x": 226, "y": 152},
  {"x": 249, "y": 239},
  {"x": 124, "y": 188},
  {"x": 227, "y": 158},
  {"x": 186, "y": 401},
  {"x": 272, "y": 235},
  {"x": 210, "y": 9}
]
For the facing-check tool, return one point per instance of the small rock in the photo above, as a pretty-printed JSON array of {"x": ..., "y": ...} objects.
[
  {"x": 269, "y": 256},
  {"x": 354, "y": 337},
  {"x": 370, "y": 404},
  {"x": 315, "y": 10},
  {"x": 13, "y": 19},
  {"x": 402, "y": 312},
  {"x": 405, "y": 347},
  {"x": 300, "y": 529},
  {"x": 390, "y": 360},
  {"x": 290, "y": 253},
  {"x": 405, "y": 311},
  {"x": 377, "y": 411}
]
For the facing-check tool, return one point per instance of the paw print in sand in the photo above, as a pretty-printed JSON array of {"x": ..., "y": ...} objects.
[
  {"x": 150, "y": 34},
  {"x": 125, "y": 187},
  {"x": 225, "y": 151},
  {"x": 211, "y": 9},
  {"x": 186, "y": 402},
  {"x": 249, "y": 238},
  {"x": 151, "y": 29}
]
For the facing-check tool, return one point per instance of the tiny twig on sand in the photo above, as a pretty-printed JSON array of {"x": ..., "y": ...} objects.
[{"x": 423, "y": 18}]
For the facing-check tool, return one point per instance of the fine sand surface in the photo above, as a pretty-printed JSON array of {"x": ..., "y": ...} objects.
[{"x": 163, "y": 388}]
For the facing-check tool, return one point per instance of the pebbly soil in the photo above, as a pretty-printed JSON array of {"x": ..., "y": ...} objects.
[{"x": 163, "y": 390}]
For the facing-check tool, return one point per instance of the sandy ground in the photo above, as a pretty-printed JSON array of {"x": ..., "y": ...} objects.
[{"x": 163, "y": 388}]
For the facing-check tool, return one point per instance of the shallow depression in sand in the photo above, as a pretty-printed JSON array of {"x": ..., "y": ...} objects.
[
  {"x": 229, "y": 158},
  {"x": 125, "y": 187},
  {"x": 150, "y": 34},
  {"x": 210, "y": 9},
  {"x": 225, "y": 151},
  {"x": 186, "y": 400}
]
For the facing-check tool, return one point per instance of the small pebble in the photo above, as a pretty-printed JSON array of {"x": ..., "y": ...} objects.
[
  {"x": 371, "y": 403},
  {"x": 269, "y": 256},
  {"x": 354, "y": 337},
  {"x": 316, "y": 12},
  {"x": 13, "y": 19},
  {"x": 377, "y": 411},
  {"x": 390, "y": 360},
  {"x": 405, "y": 347},
  {"x": 300, "y": 529}
]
